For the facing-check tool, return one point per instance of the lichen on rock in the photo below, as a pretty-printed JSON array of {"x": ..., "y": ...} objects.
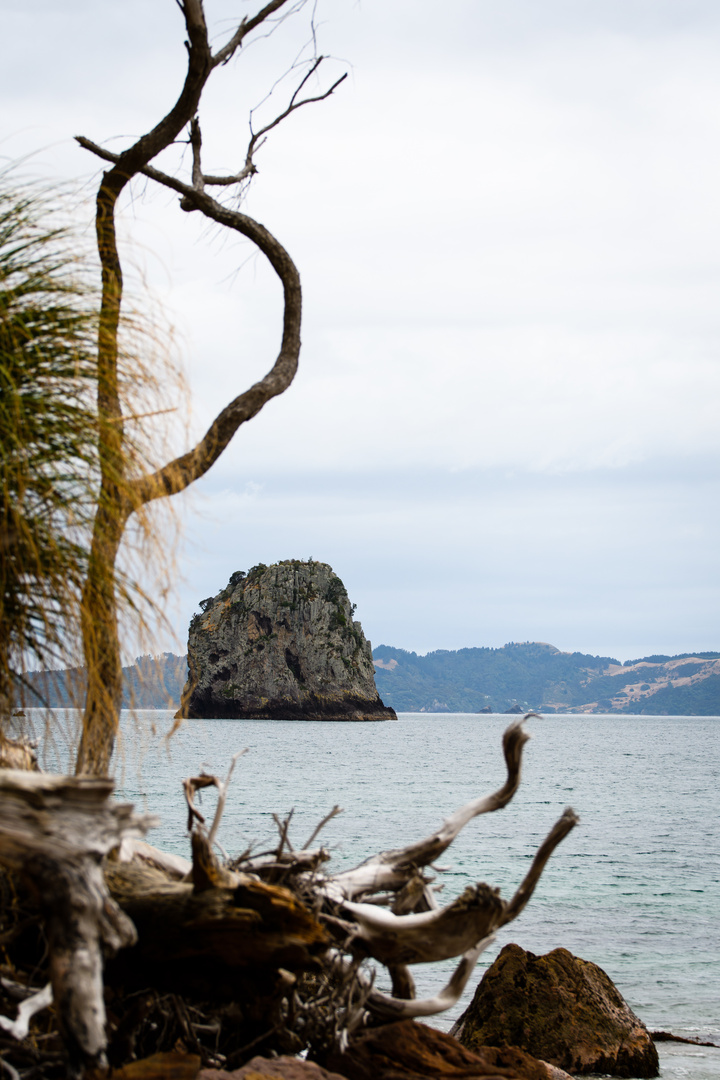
[{"x": 280, "y": 643}]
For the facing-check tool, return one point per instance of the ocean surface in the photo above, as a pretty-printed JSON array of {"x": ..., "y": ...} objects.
[{"x": 635, "y": 887}]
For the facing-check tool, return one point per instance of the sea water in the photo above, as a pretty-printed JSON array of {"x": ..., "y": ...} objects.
[{"x": 635, "y": 887}]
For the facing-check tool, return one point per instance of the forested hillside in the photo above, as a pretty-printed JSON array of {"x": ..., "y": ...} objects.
[
  {"x": 537, "y": 676},
  {"x": 531, "y": 675},
  {"x": 152, "y": 682}
]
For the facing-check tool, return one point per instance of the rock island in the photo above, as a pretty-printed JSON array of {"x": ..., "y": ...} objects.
[{"x": 280, "y": 643}]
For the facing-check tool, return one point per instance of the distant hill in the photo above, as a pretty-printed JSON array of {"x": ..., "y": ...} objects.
[
  {"x": 152, "y": 682},
  {"x": 537, "y": 676},
  {"x": 531, "y": 675}
]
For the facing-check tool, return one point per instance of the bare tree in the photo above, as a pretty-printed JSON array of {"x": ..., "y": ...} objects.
[{"x": 121, "y": 494}]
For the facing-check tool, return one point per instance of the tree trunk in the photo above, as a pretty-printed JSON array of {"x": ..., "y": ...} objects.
[{"x": 101, "y": 642}]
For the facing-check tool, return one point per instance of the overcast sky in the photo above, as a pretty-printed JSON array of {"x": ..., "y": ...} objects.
[{"x": 507, "y": 222}]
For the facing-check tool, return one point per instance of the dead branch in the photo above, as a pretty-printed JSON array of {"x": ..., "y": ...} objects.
[
  {"x": 403, "y": 984},
  {"x": 559, "y": 831},
  {"x": 214, "y": 937},
  {"x": 398, "y": 922},
  {"x": 257, "y": 138},
  {"x": 8, "y": 1068},
  {"x": 440, "y": 934},
  {"x": 222, "y": 796},
  {"x": 328, "y": 817},
  {"x": 245, "y": 27},
  {"x": 175, "y": 866},
  {"x": 391, "y": 869},
  {"x": 184, "y": 470},
  {"x": 276, "y": 935},
  {"x": 28, "y": 1008},
  {"x": 282, "y": 827},
  {"x": 429, "y": 936},
  {"x": 394, "y": 1008},
  {"x": 410, "y": 928},
  {"x": 190, "y": 786}
]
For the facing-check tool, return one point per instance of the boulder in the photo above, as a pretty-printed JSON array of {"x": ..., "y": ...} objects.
[
  {"x": 561, "y": 1009},
  {"x": 410, "y": 1051},
  {"x": 279, "y": 1068},
  {"x": 175, "y": 1065},
  {"x": 280, "y": 643}
]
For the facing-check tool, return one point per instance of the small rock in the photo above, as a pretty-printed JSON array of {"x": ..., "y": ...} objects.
[
  {"x": 173, "y": 1065},
  {"x": 279, "y": 1068},
  {"x": 560, "y": 1008},
  {"x": 409, "y": 1051}
]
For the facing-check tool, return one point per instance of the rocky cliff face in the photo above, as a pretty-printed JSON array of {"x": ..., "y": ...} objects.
[{"x": 280, "y": 643}]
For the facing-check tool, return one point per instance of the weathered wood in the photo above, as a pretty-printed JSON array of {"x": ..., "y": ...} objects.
[
  {"x": 391, "y": 870},
  {"x": 202, "y": 937},
  {"x": 28, "y": 1008},
  {"x": 386, "y": 1008},
  {"x": 54, "y": 832},
  {"x": 446, "y": 932},
  {"x": 249, "y": 932},
  {"x": 398, "y": 921}
]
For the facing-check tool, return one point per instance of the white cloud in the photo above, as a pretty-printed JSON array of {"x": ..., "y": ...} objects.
[{"x": 507, "y": 226}]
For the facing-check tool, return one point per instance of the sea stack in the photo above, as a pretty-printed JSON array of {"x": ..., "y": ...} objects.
[{"x": 280, "y": 643}]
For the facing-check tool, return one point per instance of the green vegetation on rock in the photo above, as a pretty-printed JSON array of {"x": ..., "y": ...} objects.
[{"x": 280, "y": 642}]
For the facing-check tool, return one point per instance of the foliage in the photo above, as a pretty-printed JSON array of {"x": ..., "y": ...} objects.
[
  {"x": 472, "y": 679},
  {"x": 659, "y": 658},
  {"x": 536, "y": 676},
  {"x": 47, "y": 430}
]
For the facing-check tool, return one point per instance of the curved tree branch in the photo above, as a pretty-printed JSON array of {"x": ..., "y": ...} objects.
[
  {"x": 178, "y": 474},
  {"x": 389, "y": 869},
  {"x": 227, "y": 51},
  {"x": 120, "y": 495},
  {"x": 559, "y": 831},
  {"x": 390, "y": 1008},
  {"x": 429, "y": 936}
]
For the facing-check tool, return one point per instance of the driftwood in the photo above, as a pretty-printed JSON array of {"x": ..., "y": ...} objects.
[
  {"x": 54, "y": 833},
  {"x": 206, "y": 936},
  {"x": 391, "y": 870},
  {"x": 275, "y": 938},
  {"x": 207, "y": 930},
  {"x": 203, "y": 931},
  {"x": 414, "y": 930}
]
